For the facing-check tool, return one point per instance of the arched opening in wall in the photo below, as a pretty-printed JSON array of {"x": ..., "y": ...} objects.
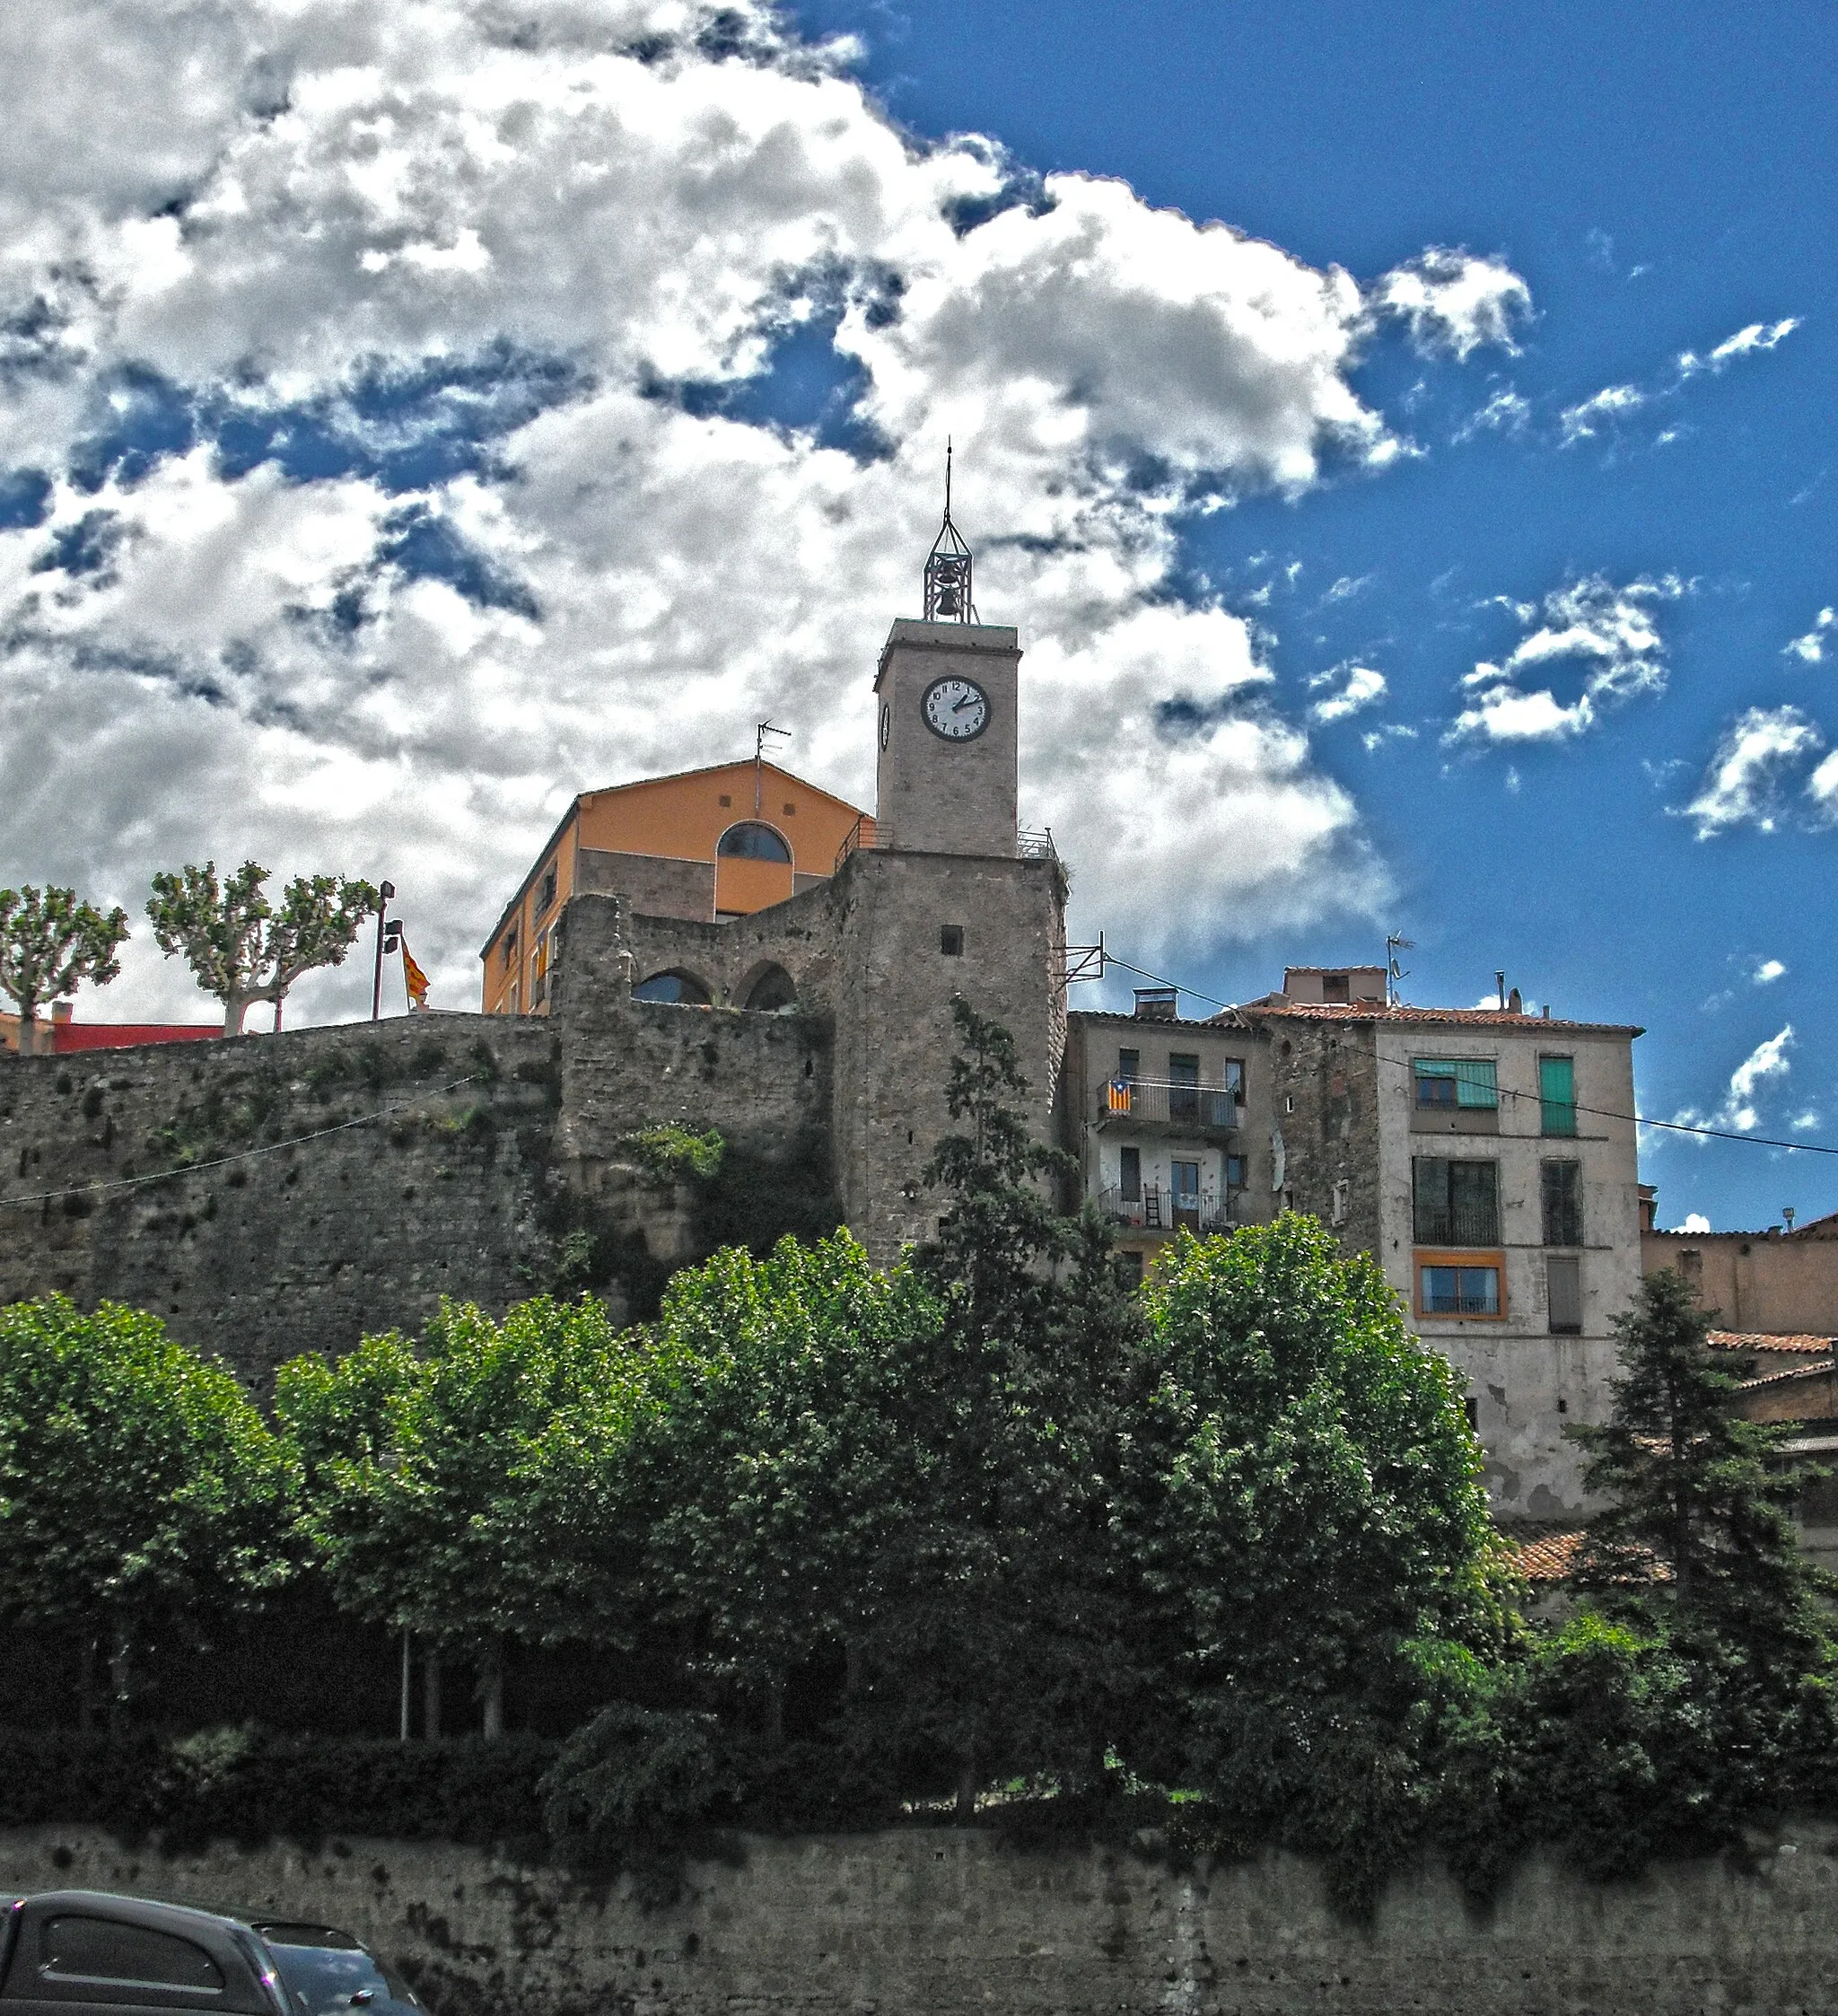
[
  {"x": 682, "y": 988},
  {"x": 770, "y": 993},
  {"x": 752, "y": 869}
]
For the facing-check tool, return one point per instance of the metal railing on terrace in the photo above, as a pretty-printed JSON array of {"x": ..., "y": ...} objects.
[
  {"x": 1160, "y": 1102},
  {"x": 1159, "y": 1209},
  {"x": 1030, "y": 846}
]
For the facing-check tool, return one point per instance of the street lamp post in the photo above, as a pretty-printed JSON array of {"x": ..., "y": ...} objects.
[{"x": 376, "y": 992}]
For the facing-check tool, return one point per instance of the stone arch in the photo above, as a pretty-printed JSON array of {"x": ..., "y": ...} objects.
[
  {"x": 686, "y": 990},
  {"x": 768, "y": 989}
]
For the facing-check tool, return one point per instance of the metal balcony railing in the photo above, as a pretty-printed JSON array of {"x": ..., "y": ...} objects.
[
  {"x": 1028, "y": 845},
  {"x": 1159, "y": 1209},
  {"x": 1160, "y": 1103}
]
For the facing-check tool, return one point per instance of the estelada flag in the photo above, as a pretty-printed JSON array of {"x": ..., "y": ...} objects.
[{"x": 413, "y": 977}]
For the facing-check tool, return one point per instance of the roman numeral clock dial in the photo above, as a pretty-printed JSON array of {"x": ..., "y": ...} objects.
[{"x": 958, "y": 709}]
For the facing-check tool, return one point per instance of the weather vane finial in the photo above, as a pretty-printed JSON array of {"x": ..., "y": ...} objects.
[{"x": 948, "y": 566}]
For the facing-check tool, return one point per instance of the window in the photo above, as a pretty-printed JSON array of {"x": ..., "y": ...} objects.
[
  {"x": 1335, "y": 988},
  {"x": 1563, "y": 1187},
  {"x": 950, "y": 940},
  {"x": 751, "y": 841},
  {"x": 1183, "y": 1087},
  {"x": 1564, "y": 1296},
  {"x": 1472, "y": 1409},
  {"x": 76, "y": 1949},
  {"x": 1231, "y": 1076},
  {"x": 1460, "y": 1291},
  {"x": 1456, "y": 1204},
  {"x": 510, "y": 946},
  {"x": 773, "y": 993},
  {"x": 1129, "y": 1066},
  {"x": 548, "y": 888},
  {"x": 683, "y": 988},
  {"x": 1131, "y": 1176},
  {"x": 725, "y": 799},
  {"x": 1234, "y": 1172},
  {"x": 791, "y": 811},
  {"x": 1467, "y": 1083},
  {"x": 1184, "y": 1183},
  {"x": 1557, "y": 1095}
]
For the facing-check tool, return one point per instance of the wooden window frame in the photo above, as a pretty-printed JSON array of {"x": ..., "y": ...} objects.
[{"x": 1423, "y": 1257}]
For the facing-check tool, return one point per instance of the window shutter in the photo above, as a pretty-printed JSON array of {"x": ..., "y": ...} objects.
[{"x": 1565, "y": 1291}]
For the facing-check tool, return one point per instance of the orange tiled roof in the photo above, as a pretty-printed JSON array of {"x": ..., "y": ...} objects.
[
  {"x": 1761, "y": 1342},
  {"x": 1547, "y": 1556},
  {"x": 1376, "y": 1011},
  {"x": 1783, "y": 1378}
]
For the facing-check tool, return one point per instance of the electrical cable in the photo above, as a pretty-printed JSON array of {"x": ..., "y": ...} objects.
[
  {"x": 1594, "y": 1112},
  {"x": 241, "y": 1155}
]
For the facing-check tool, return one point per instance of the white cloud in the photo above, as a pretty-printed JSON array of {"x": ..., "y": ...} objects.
[
  {"x": 1822, "y": 788},
  {"x": 1811, "y": 646},
  {"x": 392, "y": 630},
  {"x": 1506, "y": 412},
  {"x": 1760, "y": 749},
  {"x": 1738, "y": 1110},
  {"x": 1757, "y": 337},
  {"x": 1604, "y": 636},
  {"x": 1452, "y": 300},
  {"x": 1361, "y": 687},
  {"x": 1696, "y": 1221},
  {"x": 1588, "y": 417},
  {"x": 1767, "y": 972}
]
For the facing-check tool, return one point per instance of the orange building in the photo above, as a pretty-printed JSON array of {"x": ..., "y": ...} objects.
[{"x": 704, "y": 845}]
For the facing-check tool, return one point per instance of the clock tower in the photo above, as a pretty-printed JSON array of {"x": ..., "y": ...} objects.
[{"x": 945, "y": 698}]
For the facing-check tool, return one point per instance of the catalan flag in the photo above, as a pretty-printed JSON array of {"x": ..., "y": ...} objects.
[
  {"x": 414, "y": 979},
  {"x": 1117, "y": 1096}
]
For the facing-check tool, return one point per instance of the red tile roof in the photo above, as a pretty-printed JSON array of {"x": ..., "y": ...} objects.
[
  {"x": 1822, "y": 1370},
  {"x": 1549, "y": 1555},
  {"x": 1762, "y": 1341},
  {"x": 1477, "y": 1017}
]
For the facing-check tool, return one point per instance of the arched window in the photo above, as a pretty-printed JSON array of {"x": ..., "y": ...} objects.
[
  {"x": 752, "y": 841},
  {"x": 772, "y": 992},
  {"x": 683, "y": 989}
]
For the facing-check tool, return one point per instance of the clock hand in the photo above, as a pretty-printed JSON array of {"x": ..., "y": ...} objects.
[{"x": 969, "y": 700}]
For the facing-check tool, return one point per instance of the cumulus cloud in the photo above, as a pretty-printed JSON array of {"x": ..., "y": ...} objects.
[
  {"x": 1761, "y": 750},
  {"x": 1358, "y": 687},
  {"x": 1768, "y": 972},
  {"x": 399, "y": 437},
  {"x": 1451, "y": 300},
  {"x": 1810, "y": 647},
  {"x": 1600, "y": 640},
  {"x": 1737, "y": 1112},
  {"x": 1696, "y": 1221}
]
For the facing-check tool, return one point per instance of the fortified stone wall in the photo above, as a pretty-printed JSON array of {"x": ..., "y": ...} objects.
[{"x": 937, "y": 1922}]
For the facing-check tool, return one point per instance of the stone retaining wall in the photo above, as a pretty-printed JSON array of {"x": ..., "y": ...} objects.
[{"x": 948, "y": 1921}]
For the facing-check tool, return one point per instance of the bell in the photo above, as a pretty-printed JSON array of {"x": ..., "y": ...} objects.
[{"x": 948, "y": 602}]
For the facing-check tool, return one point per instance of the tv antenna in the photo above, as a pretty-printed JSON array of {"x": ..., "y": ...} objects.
[
  {"x": 1395, "y": 943},
  {"x": 761, "y": 730}
]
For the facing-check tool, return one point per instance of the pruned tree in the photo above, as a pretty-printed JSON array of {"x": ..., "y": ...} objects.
[
  {"x": 50, "y": 942},
  {"x": 242, "y": 948}
]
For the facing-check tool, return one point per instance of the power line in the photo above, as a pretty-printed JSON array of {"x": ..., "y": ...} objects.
[
  {"x": 1594, "y": 1112},
  {"x": 224, "y": 1161}
]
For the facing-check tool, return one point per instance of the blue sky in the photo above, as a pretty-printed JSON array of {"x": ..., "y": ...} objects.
[
  {"x": 1402, "y": 437},
  {"x": 1662, "y": 179}
]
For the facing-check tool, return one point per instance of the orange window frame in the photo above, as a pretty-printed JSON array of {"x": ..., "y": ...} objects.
[{"x": 1423, "y": 1257}]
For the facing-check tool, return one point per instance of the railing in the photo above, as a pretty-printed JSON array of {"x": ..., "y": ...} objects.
[
  {"x": 1036, "y": 847},
  {"x": 860, "y": 835},
  {"x": 1159, "y": 1209},
  {"x": 1160, "y": 1103},
  {"x": 1028, "y": 845}
]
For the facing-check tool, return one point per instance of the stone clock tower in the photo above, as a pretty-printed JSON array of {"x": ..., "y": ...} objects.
[{"x": 945, "y": 698}]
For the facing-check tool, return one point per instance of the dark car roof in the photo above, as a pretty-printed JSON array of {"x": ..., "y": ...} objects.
[{"x": 135, "y": 1910}]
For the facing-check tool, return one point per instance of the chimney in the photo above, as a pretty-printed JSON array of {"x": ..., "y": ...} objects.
[
  {"x": 1500, "y": 982},
  {"x": 62, "y": 1011},
  {"x": 1514, "y": 1004}
]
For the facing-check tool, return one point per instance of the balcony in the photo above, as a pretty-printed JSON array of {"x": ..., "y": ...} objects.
[
  {"x": 1163, "y": 1211},
  {"x": 1154, "y": 1106}
]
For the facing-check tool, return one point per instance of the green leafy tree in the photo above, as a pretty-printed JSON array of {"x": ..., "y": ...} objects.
[
  {"x": 51, "y": 943},
  {"x": 1700, "y": 1508},
  {"x": 465, "y": 1491},
  {"x": 243, "y": 949},
  {"x": 141, "y": 1495},
  {"x": 1307, "y": 1504}
]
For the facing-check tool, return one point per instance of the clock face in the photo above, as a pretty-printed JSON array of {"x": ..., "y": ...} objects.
[{"x": 956, "y": 708}]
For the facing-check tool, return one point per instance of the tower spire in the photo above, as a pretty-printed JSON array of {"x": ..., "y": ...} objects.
[{"x": 948, "y": 566}]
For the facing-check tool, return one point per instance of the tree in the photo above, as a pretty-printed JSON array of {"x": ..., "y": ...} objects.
[
  {"x": 1305, "y": 1503},
  {"x": 460, "y": 1491},
  {"x": 140, "y": 1492},
  {"x": 240, "y": 946},
  {"x": 51, "y": 943},
  {"x": 1701, "y": 1509}
]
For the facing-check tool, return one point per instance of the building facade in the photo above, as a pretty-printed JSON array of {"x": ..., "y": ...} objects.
[{"x": 1486, "y": 1160}]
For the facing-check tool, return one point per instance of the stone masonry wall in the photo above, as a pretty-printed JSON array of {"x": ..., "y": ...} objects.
[
  {"x": 1325, "y": 1102},
  {"x": 951, "y": 1922}
]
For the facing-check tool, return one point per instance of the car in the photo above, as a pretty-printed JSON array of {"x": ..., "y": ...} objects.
[{"x": 75, "y": 1952}]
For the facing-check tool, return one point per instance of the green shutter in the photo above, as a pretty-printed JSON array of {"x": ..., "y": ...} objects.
[
  {"x": 1557, "y": 1095},
  {"x": 1475, "y": 1085}
]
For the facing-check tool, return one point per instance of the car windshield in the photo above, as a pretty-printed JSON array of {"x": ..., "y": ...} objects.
[{"x": 333, "y": 1972}]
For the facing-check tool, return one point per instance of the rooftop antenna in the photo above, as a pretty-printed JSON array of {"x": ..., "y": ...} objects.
[
  {"x": 1395, "y": 943},
  {"x": 948, "y": 566},
  {"x": 1789, "y": 1213},
  {"x": 761, "y": 730}
]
